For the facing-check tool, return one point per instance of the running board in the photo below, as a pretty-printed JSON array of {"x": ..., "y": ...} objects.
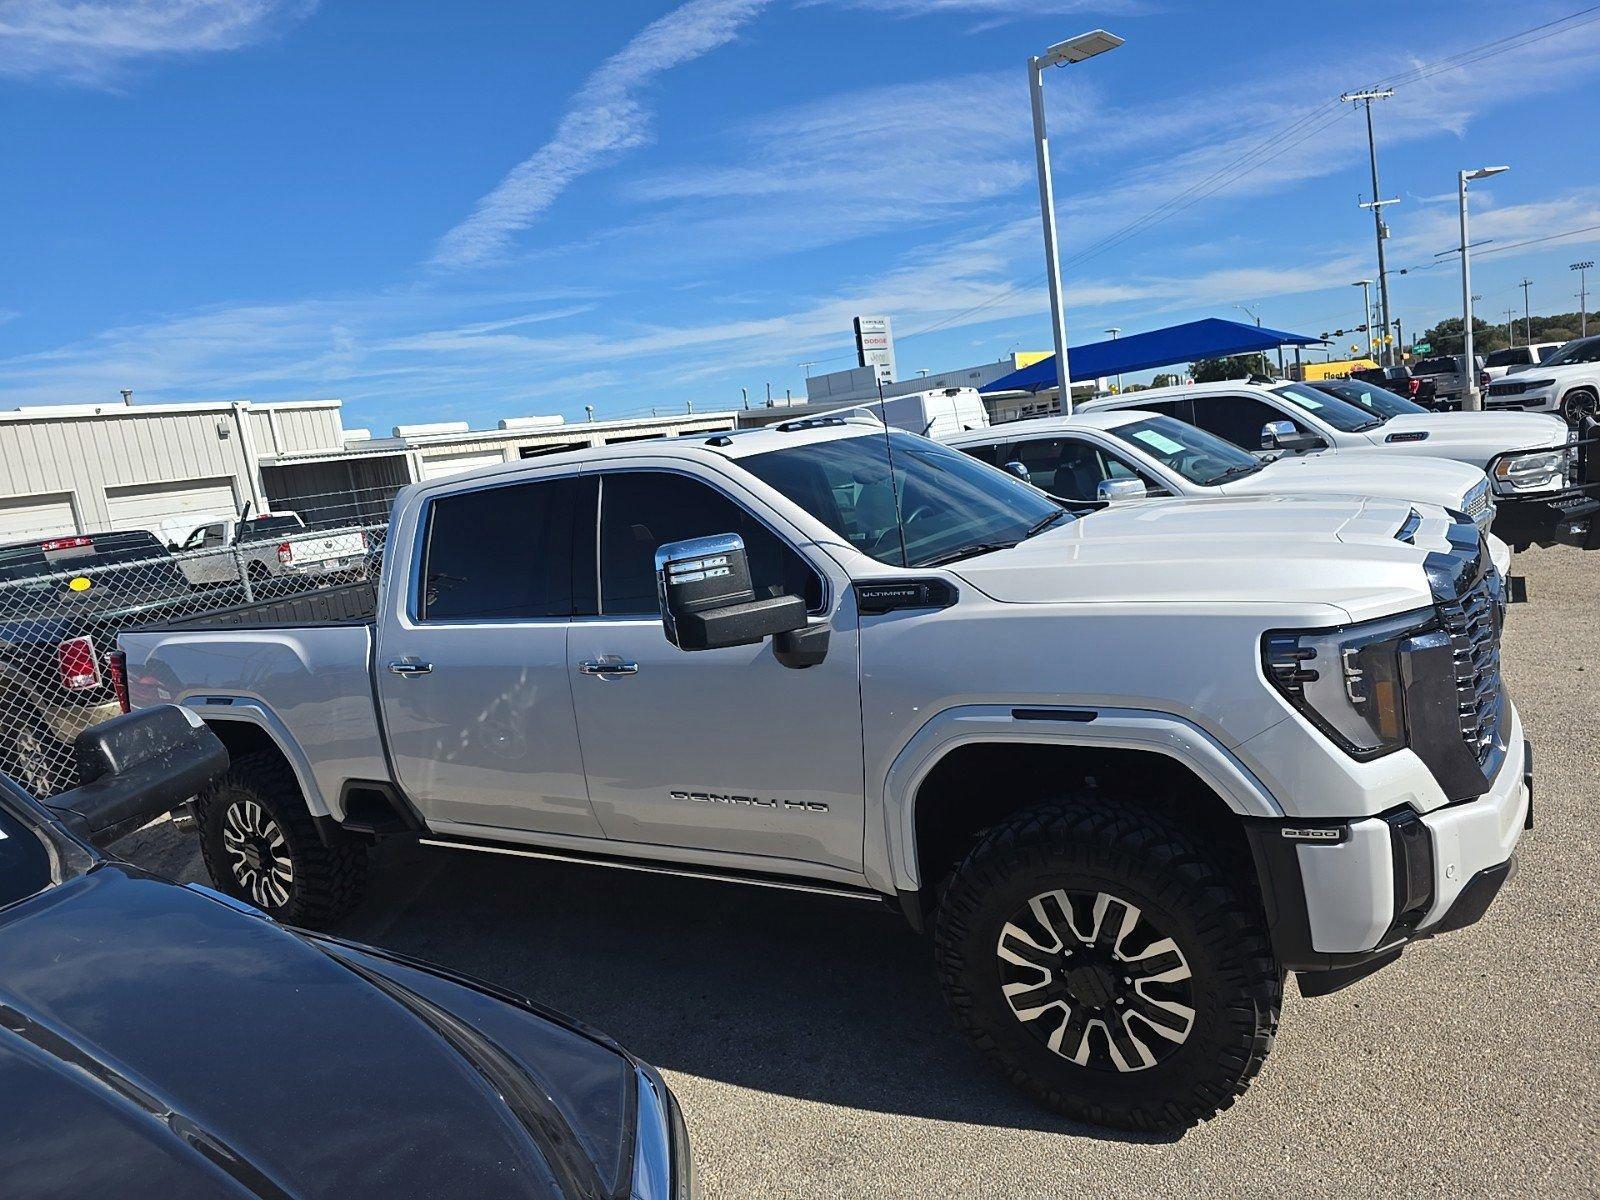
[{"x": 656, "y": 868}]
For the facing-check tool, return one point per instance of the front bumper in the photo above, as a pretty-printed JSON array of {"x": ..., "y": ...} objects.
[{"x": 1344, "y": 897}]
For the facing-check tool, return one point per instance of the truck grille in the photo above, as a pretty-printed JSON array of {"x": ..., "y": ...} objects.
[{"x": 1473, "y": 623}]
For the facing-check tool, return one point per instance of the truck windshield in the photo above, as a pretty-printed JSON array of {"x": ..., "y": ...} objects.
[
  {"x": 1380, "y": 402},
  {"x": 949, "y": 504},
  {"x": 1346, "y": 418},
  {"x": 1198, "y": 456}
]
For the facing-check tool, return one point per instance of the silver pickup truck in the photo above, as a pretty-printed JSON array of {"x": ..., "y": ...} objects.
[{"x": 1129, "y": 766}]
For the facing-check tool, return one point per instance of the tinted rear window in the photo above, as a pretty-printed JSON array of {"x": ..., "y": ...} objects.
[
  {"x": 1434, "y": 366},
  {"x": 262, "y": 528}
]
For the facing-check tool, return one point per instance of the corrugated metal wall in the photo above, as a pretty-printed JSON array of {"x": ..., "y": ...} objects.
[{"x": 85, "y": 454}]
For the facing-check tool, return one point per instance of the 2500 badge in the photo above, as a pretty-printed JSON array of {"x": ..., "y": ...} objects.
[{"x": 750, "y": 801}]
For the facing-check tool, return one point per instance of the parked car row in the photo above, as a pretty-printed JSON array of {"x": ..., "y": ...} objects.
[{"x": 1128, "y": 758}]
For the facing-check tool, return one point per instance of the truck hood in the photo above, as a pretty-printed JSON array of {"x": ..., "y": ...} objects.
[
  {"x": 1473, "y": 437},
  {"x": 1440, "y": 481},
  {"x": 1269, "y": 550},
  {"x": 157, "y": 1041}
]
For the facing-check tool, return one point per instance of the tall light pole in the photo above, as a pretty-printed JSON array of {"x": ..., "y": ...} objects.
[
  {"x": 1377, "y": 203},
  {"x": 1366, "y": 309},
  {"x": 1113, "y": 331},
  {"x": 1073, "y": 50},
  {"x": 1511, "y": 317},
  {"x": 1583, "y": 269},
  {"x": 1471, "y": 400},
  {"x": 1527, "y": 321}
]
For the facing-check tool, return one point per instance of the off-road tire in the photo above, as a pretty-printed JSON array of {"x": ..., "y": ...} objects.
[
  {"x": 327, "y": 881},
  {"x": 1187, "y": 888}
]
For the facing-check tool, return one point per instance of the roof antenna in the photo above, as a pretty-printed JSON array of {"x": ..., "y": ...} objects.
[{"x": 894, "y": 492}]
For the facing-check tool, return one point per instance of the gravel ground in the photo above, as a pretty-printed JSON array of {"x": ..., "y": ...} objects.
[{"x": 807, "y": 1042}]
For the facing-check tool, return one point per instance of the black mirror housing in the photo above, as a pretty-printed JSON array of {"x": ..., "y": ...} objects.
[
  {"x": 707, "y": 599},
  {"x": 135, "y": 767}
]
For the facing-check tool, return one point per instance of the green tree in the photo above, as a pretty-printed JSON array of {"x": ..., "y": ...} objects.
[
  {"x": 1240, "y": 366},
  {"x": 1165, "y": 379}
]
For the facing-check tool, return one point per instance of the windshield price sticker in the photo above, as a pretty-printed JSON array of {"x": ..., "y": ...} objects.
[{"x": 1158, "y": 441}]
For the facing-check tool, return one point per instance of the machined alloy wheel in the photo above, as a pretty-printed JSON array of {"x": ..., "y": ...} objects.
[
  {"x": 257, "y": 854},
  {"x": 32, "y": 755},
  {"x": 1111, "y": 959},
  {"x": 1091, "y": 977},
  {"x": 261, "y": 846}
]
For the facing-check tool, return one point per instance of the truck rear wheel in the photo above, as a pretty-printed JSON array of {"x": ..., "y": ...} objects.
[
  {"x": 1106, "y": 962},
  {"x": 261, "y": 847}
]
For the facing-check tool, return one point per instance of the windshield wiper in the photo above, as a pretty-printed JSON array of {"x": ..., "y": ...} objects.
[
  {"x": 1237, "y": 471},
  {"x": 1041, "y": 525},
  {"x": 1372, "y": 424},
  {"x": 967, "y": 551}
]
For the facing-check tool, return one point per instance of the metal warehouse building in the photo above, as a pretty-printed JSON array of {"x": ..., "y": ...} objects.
[{"x": 168, "y": 467}]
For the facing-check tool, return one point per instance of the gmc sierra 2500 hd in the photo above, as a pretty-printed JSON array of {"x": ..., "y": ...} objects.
[{"x": 1130, "y": 766}]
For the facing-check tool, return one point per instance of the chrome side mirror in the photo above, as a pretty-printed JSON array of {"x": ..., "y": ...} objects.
[
  {"x": 1120, "y": 491},
  {"x": 1273, "y": 433},
  {"x": 707, "y": 599}
]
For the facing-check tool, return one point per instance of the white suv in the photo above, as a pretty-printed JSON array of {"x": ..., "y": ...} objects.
[{"x": 1567, "y": 382}]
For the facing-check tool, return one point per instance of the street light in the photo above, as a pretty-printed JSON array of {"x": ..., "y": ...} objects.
[
  {"x": 1583, "y": 269},
  {"x": 1366, "y": 309},
  {"x": 1113, "y": 331},
  {"x": 1471, "y": 400},
  {"x": 1073, "y": 50}
]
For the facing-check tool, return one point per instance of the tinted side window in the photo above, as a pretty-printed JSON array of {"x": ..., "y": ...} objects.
[
  {"x": 987, "y": 453},
  {"x": 1063, "y": 467},
  {"x": 1237, "y": 419},
  {"x": 504, "y": 552},
  {"x": 1182, "y": 410},
  {"x": 641, "y": 510}
]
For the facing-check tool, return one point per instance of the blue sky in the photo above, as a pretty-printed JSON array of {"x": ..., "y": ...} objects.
[{"x": 477, "y": 210}]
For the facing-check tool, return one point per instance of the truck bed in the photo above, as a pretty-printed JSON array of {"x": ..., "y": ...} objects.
[{"x": 350, "y": 604}]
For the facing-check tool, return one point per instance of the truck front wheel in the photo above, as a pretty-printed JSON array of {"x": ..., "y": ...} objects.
[
  {"x": 261, "y": 847},
  {"x": 1106, "y": 961}
]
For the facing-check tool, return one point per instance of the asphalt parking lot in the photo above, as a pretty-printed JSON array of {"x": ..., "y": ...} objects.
[{"x": 807, "y": 1042}]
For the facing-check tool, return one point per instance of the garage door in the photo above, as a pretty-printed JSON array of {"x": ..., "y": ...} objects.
[
  {"x": 170, "y": 510},
  {"x": 453, "y": 464},
  {"x": 23, "y": 516}
]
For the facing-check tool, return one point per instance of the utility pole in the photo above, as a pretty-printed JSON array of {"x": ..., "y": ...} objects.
[
  {"x": 1511, "y": 336},
  {"x": 1527, "y": 321},
  {"x": 1113, "y": 331},
  {"x": 1583, "y": 268},
  {"x": 1379, "y": 228}
]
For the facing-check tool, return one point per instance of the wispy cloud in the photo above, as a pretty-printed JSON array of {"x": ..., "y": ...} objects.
[
  {"x": 94, "y": 41},
  {"x": 606, "y": 118}
]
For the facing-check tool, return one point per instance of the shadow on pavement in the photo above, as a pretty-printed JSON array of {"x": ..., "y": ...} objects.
[{"x": 821, "y": 999}]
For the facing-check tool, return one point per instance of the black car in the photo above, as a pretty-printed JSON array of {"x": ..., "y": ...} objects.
[
  {"x": 163, "y": 1040},
  {"x": 1399, "y": 380},
  {"x": 63, "y": 600}
]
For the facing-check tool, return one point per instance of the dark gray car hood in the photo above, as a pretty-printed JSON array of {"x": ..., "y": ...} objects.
[{"x": 156, "y": 1041}]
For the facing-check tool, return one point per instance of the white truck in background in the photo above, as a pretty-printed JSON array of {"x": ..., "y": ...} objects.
[
  {"x": 937, "y": 414},
  {"x": 1130, "y": 766},
  {"x": 269, "y": 545}
]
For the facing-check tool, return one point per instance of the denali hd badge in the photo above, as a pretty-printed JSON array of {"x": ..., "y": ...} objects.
[{"x": 752, "y": 801}]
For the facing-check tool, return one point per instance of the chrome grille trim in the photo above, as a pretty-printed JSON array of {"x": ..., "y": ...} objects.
[{"x": 1472, "y": 619}]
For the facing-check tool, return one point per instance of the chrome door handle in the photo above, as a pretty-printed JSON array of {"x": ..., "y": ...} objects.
[
  {"x": 609, "y": 665},
  {"x": 405, "y": 667}
]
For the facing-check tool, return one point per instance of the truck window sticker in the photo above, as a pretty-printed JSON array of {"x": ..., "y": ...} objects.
[{"x": 1158, "y": 441}]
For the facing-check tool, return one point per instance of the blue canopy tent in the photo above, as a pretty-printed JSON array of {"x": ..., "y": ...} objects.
[{"x": 1210, "y": 338}]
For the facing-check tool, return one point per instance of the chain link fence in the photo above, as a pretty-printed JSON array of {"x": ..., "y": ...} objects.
[{"x": 65, "y": 597}]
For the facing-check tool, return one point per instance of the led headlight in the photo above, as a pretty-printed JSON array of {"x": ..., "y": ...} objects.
[
  {"x": 1530, "y": 472},
  {"x": 1346, "y": 681}
]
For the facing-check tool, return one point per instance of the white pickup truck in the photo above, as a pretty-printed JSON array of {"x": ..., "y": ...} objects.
[
  {"x": 268, "y": 546},
  {"x": 1129, "y": 767}
]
